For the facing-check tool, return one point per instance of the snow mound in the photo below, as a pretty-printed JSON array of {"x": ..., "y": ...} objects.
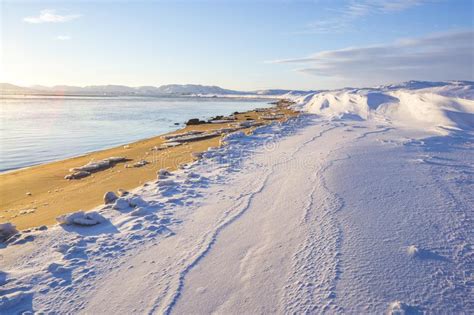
[
  {"x": 81, "y": 218},
  {"x": 121, "y": 204},
  {"x": 413, "y": 251},
  {"x": 7, "y": 230},
  {"x": 435, "y": 107}
]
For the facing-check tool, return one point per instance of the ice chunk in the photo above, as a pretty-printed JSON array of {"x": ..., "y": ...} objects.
[
  {"x": 92, "y": 166},
  {"x": 81, "y": 218}
]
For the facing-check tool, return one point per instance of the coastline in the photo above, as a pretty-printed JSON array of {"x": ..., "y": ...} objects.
[
  {"x": 59, "y": 128},
  {"x": 36, "y": 195}
]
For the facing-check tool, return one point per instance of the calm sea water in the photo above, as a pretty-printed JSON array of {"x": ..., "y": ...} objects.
[{"x": 36, "y": 130}]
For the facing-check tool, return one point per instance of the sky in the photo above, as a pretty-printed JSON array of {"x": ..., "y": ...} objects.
[{"x": 243, "y": 45}]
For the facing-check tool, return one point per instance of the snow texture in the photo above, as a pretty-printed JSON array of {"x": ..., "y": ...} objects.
[{"x": 365, "y": 207}]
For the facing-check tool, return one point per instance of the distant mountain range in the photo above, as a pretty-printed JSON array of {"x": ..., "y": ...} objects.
[{"x": 122, "y": 90}]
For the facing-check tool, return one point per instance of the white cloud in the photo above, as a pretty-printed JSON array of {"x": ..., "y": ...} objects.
[
  {"x": 435, "y": 57},
  {"x": 50, "y": 16},
  {"x": 63, "y": 37},
  {"x": 366, "y": 7},
  {"x": 343, "y": 18}
]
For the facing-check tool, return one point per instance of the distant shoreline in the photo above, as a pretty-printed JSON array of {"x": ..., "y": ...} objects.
[{"x": 177, "y": 96}]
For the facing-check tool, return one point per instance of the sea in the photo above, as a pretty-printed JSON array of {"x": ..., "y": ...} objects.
[{"x": 38, "y": 129}]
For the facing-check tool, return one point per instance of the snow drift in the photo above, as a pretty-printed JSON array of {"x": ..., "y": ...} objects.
[{"x": 414, "y": 104}]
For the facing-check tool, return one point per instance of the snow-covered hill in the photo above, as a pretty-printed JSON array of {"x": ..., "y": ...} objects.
[
  {"x": 434, "y": 105},
  {"x": 122, "y": 90},
  {"x": 195, "y": 89}
]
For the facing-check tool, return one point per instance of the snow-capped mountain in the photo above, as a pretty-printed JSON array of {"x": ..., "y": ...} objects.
[{"x": 122, "y": 90}]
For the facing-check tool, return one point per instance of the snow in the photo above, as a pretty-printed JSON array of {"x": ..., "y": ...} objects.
[
  {"x": 81, "y": 218},
  {"x": 365, "y": 207},
  {"x": 409, "y": 107}
]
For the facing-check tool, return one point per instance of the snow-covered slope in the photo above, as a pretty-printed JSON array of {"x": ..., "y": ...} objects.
[
  {"x": 316, "y": 215},
  {"x": 437, "y": 106}
]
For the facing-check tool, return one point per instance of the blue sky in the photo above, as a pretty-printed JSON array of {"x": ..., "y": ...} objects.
[{"x": 236, "y": 44}]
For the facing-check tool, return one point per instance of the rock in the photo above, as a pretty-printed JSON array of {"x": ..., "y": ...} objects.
[
  {"x": 110, "y": 197},
  {"x": 163, "y": 173},
  {"x": 27, "y": 211},
  {"x": 195, "y": 121},
  {"x": 81, "y": 218},
  {"x": 77, "y": 175},
  {"x": 7, "y": 230},
  {"x": 122, "y": 192},
  {"x": 140, "y": 163}
]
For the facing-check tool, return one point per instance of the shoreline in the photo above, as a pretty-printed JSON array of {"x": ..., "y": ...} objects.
[
  {"x": 158, "y": 123},
  {"x": 37, "y": 194}
]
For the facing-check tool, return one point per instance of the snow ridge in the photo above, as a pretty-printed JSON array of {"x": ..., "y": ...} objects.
[{"x": 440, "y": 107}]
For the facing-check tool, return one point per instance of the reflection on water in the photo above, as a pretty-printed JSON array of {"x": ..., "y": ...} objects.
[{"x": 37, "y": 130}]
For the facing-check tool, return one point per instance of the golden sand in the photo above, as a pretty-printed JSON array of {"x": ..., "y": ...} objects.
[{"x": 35, "y": 196}]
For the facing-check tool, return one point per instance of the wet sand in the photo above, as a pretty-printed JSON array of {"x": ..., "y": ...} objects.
[{"x": 35, "y": 196}]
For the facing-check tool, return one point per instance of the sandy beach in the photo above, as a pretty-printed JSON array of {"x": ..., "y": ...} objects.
[{"x": 36, "y": 195}]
